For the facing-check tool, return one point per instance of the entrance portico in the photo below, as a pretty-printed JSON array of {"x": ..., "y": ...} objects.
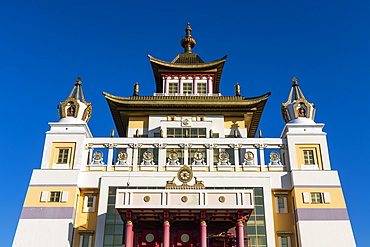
[{"x": 188, "y": 218}]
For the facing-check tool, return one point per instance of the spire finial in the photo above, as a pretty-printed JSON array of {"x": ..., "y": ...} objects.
[
  {"x": 79, "y": 82},
  {"x": 295, "y": 82},
  {"x": 188, "y": 42}
]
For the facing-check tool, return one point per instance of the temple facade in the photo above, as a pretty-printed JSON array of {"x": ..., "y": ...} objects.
[{"x": 185, "y": 170}]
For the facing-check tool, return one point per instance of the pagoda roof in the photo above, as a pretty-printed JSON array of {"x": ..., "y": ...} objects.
[
  {"x": 123, "y": 107},
  {"x": 187, "y": 63}
]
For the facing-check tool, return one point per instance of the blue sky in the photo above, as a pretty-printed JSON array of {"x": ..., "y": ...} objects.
[{"x": 46, "y": 45}]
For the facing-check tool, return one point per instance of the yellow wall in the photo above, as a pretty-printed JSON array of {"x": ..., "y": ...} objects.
[
  {"x": 138, "y": 122},
  {"x": 234, "y": 123},
  {"x": 34, "y": 194},
  {"x": 284, "y": 221},
  {"x": 336, "y": 198},
  {"x": 55, "y": 152},
  {"x": 316, "y": 150},
  {"x": 85, "y": 220}
]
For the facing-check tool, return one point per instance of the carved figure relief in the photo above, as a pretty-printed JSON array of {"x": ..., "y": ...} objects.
[
  {"x": 198, "y": 159},
  {"x": 223, "y": 158},
  {"x": 301, "y": 110},
  {"x": 122, "y": 158},
  {"x": 71, "y": 109},
  {"x": 173, "y": 159},
  {"x": 97, "y": 158},
  {"x": 248, "y": 158},
  {"x": 274, "y": 158},
  {"x": 148, "y": 158}
]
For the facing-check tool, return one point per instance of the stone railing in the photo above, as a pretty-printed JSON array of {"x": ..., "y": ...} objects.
[{"x": 169, "y": 154}]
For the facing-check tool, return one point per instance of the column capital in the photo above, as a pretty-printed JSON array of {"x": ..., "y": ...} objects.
[
  {"x": 110, "y": 145},
  {"x": 166, "y": 222},
  {"x": 210, "y": 145},
  {"x": 203, "y": 222},
  {"x": 260, "y": 146},
  {"x": 128, "y": 222},
  {"x": 240, "y": 222},
  {"x": 235, "y": 145},
  {"x": 135, "y": 145}
]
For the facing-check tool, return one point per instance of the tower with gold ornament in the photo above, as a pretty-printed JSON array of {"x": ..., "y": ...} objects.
[{"x": 185, "y": 169}]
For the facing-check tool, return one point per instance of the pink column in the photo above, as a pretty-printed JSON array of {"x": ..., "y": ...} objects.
[
  {"x": 129, "y": 234},
  {"x": 166, "y": 233},
  {"x": 239, "y": 233},
  {"x": 203, "y": 233}
]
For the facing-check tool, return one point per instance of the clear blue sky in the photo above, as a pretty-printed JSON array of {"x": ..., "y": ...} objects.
[{"x": 45, "y": 45}]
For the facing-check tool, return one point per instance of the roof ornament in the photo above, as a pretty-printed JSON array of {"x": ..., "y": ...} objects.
[
  {"x": 237, "y": 89},
  {"x": 188, "y": 42},
  {"x": 75, "y": 106},
  {"x": 297, "y": 109},
  {"x": 136, "y": 89}
]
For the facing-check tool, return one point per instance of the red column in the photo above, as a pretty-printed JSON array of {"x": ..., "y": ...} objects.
[
  {"x": 239, "y": 233},
  {"x": 129, "y": 234},
  {"x": 203, "y": 233},
  {"x": 166, "y": 233}
]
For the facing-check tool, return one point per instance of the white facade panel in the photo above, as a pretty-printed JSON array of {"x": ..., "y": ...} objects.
[
  {"x": 326, "y": 233},
  {"x": 43, "y": 232}
]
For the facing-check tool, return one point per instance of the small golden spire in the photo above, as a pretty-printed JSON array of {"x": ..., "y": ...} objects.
[
  {"x": 136, "y": 89},
  {"x": 295, "y": 82},
  {"x": 237, "y": 89},
  {"x": 78, "y": 82},
  {"x": 188, "y": 42}
]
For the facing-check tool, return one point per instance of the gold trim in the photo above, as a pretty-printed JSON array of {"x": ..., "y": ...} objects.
[
  {"x": 64, "y": 104},
  {"x": 240, "y": 222},
  {"x": 166, "y": 222},
  {"x": 184, "y": 199},
  {"x": 146, "y": 198},
  {"x": 129, "y": 222},
  {"x": 87, "y": 113},
  {"x": 203, "y": 222},
  {"x": 222, "y": 199}
]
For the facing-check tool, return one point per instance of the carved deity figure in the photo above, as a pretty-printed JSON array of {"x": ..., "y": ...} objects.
[
  {"x": 71, "y": 110},
  {"x": 301, "y": 112}
]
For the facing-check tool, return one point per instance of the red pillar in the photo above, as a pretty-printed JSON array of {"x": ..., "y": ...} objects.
[
  {"x": 129, "y": 234},
  {"x": 239, "y": 233},
  {"x": 166, "y": 233},
  {"x": 203, "y": 233}
]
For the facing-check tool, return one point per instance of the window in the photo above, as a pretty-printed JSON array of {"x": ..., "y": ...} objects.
[
  {"x": 63, "y": 156},
  {"x": 85, "y": 241},
  {"x": 308, "y": 157},
  {"x": 85, "y": 238},
  {"x": 55, "y": 196},
  {"x": 186, "y": 133},
  {"x": 284, "y": 242},
  {"x": 187, "y": 88},
  {"x": 281, "y": 201},
  {"x": 284, "y": 238},
  {"x": 316, "y": 197},
  {"x": 89, "y": 203},
  {"x": 282, "y": 205},
  {"x": 202, "y": 88},
  {"x": 173, "y": 87}
]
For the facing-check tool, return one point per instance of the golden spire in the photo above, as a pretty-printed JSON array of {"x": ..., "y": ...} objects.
[
  {"x": 188, "y": 42},
  {"x": 295, "y": 82}
]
